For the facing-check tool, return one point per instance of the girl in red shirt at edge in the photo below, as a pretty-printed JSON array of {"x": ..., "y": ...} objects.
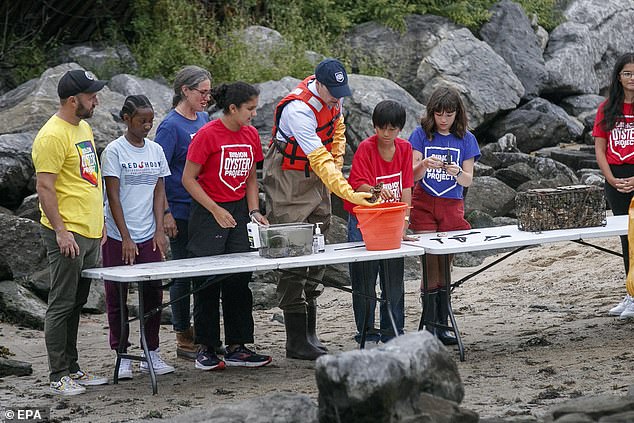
[
  {"x": 220, "y": 176},
  {"x": 614, "y": 147}
]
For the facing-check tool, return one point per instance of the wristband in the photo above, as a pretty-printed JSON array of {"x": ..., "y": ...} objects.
[
  {"x": 459, "y": 173},
  {"x": 252, "y": 212},
  {"x": 167, "y": 211}
]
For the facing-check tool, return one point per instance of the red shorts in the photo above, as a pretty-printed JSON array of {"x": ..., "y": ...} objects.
[{"x": 433, "y": 214}]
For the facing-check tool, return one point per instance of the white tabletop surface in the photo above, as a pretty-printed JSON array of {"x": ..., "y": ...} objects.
[
  {"x": 355, "y": 251},
  {"x": 616, "y": 225},
  {"x": 245, "y": 262}
]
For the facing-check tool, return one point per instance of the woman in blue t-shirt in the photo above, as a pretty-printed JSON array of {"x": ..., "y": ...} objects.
[{"x": 444, "y": 156}]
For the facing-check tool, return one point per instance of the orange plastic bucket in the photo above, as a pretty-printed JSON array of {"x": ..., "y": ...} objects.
[{"x": 381, "y": 226}]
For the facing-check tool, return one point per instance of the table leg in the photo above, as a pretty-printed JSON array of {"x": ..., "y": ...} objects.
[
  {"x": 385, "y": 281},
  {"x": 124, "y": 328},
  {"x": 454, "y": 326},
  {"x": 148, "y": 358},
  {"x": 423, "y": 293}
]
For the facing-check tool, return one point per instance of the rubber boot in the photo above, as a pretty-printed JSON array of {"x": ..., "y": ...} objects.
[
  {"x": 311, "y": 324},
  {"x": 429, "y": 309},
  {"x": 185, "y": 347},
  {"x": 297, "y": 344},
  {"x": 447, "y": 337}
]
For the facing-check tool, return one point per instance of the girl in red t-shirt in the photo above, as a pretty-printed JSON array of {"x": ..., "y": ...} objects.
[
  {"x": 614, "y": 147},
  {"x": 220, "y": 176}
]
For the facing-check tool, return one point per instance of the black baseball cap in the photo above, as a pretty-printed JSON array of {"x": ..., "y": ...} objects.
[
  {"x": 333, "y": 75},
  {"x": 78, "y": 81}
]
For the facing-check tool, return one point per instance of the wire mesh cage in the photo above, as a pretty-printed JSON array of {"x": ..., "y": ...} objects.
[{"x": 574, "y": 206}]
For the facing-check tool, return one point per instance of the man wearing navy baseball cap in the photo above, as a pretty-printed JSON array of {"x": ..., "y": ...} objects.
[
  {"x": 301, "y": 169},
  {"x": 334, "y": 77},
  {"x": 70, "y": 193}
]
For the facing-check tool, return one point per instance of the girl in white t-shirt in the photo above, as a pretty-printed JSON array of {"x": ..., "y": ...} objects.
[{"x": 133, "y": 168}]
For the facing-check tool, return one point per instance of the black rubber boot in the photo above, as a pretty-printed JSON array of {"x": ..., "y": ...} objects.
[
  {"x": 429, "y": 309},
  {"x": 311, "y": 324},
  {"x": 297, "y": 344},
  {"x": 447, "y": 337}
]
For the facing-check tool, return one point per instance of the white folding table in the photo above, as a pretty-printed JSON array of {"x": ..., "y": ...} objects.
[
  {"x": 501, "y": 237},
  {"x": 229, "y": 264}
]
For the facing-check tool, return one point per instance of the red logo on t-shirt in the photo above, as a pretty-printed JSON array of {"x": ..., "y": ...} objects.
[
  {"x": 235, "y": 165},
  {"x": 394, "y": 183}
]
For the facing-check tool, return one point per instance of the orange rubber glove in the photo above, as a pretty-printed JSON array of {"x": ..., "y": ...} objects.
[
  {"x": 323, "y": 165},
  {"x": 338, "y": 149}
]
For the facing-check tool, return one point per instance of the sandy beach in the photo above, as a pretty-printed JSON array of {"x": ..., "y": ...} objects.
[{"x": 535, "y": 328}]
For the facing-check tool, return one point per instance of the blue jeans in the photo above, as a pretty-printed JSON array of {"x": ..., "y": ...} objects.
[
  {"x": 363, "y": 276},
  {"x": 180, "y": 287}
]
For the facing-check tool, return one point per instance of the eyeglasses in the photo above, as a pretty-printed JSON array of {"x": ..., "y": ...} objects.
[
  {"x": 627, "y": 75},
  {"x": 204, "y": 93}
]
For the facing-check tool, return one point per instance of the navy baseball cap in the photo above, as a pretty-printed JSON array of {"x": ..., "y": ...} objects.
[
  {"x": 333, "y": 75},
  {"x": 78, "y": 81}
]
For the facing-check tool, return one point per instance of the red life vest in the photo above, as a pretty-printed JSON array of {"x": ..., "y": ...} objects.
[{"x": 294, "y": 157}]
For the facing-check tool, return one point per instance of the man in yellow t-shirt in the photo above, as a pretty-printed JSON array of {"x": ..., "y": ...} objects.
[{"x": 70, "y": 194}]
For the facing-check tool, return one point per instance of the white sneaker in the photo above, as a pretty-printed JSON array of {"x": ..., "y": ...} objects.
[
  {"x": 628, "y": 312},
  {"x": 125, "y": 369},
  {"x": 160, "y": 367},
  {"x": 86, "y": 379},
  {"x": 618, "y": 309},
  {"x": 67, "y": 386}
]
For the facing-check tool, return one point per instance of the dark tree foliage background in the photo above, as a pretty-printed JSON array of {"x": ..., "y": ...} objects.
[{"x": 164, "y": 35}]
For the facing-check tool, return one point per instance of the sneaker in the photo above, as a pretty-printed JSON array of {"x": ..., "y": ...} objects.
[
  {"x": 618, "y": 309},
  {"x": 209, "y": 361},
  {"x": 67, "y": 386},
  {"x": 86, "y": 379},
  {"x": 244, "y": 357},
  {"x": 628, "y": 312},
  {"x": 160, "y": 367},
  {"x": 125, "y": 369}
]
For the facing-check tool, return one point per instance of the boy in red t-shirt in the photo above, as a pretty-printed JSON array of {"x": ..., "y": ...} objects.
[{"x": 382, "y": 158}]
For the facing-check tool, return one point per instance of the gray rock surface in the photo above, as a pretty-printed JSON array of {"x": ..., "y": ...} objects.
[
  {"x": 16, "y": 168},
  {"x": 18, "y": 305},
  {"x": 538, "y": 124},
  {"x": 21, "y": 246},
  {"x": 510, "y": 34},
  {"x": 489, "y": 195},
  {"x": 386, "y": 383}
]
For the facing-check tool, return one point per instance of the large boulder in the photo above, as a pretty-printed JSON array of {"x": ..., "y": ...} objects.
[
  {"x": 16, "y": 168},
  {"x": 487, "y": 83},
  {"x": 21, "y": 246},
  {"x": 582, "y": 51},
  {"x": 159, "y": 94},
  {"x": 105, "y": 61},
  {"x": 510, "y": 34},
  {"x": 367, "y": 92},
  {"x": 538, "y": 124},
  {"x": 432, "y": 51},
  {"x": 489, "y": 195},
  {"x": 397, "y": 54},
  {"x": 19, "y": 305},
  {"x": 39, "y": 101},
  {"x": 607, "y": 22},
  {"x": 389, "y": 383},
  {"x": 280, "y": 407}
]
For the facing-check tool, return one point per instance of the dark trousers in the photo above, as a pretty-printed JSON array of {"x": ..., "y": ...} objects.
[
  {"x": 152, "y": 295},
  {"x": 180, "y": 287},
  {"x": 68, "y": 294},
  {"x": 207, "y": 238},
  {"x": 363, "y": 277},
  {"x": 620, "y": 204}
]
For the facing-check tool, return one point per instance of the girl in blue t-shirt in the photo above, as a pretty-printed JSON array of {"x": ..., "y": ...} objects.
[{"x": 444, "y": 154}]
